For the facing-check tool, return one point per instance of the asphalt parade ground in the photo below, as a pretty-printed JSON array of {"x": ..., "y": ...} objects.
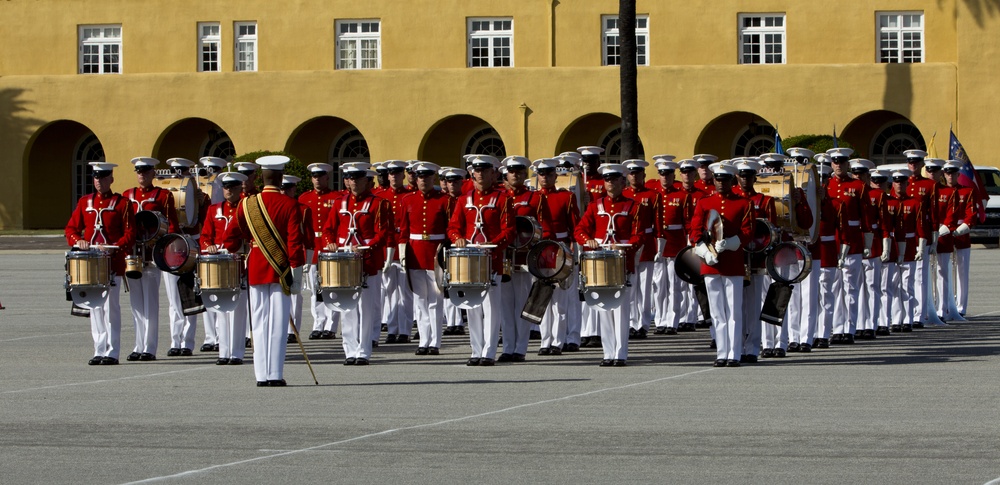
[{"x": 910, "y": 408}]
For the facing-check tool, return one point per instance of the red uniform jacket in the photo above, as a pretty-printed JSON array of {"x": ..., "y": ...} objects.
[
  {"x": 737, "y": 216},
  {"x": 674, "y": 224},
  {"x": 319, "y": 211},
  {"x": 563, "y": 214},
  {"x": 925, "y": 190},
  {"x": 424, "y": 225},
  {"x": 826, "y": 247},
  {"x": 395, "y": 198},
  {"x": 704, "y": 187},
  {"x": 763, "y": 208},
  {"x": 909, "y": 223},
  {"x": 649, "y": 201},
  {"x": 493, "y": 209},
  {"x": 104, "y": 220},
  {"x": 155, "y": 199},
  {"x": 287, "y": 218},
  {"x": 612, "y": 220},
  {"x": 848, "y": 198},
  {"x": 365, "y": 220},
  {"x": 595, "y": 188},
  {"x": 220, "y": 216},
  {"x": 954, "y": 206},
  {"x": 878, "y": 220},
  {"x": 531, "y": 204}
]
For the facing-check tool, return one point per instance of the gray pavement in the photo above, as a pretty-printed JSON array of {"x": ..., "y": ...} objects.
[{"x": 919, "y": 408}]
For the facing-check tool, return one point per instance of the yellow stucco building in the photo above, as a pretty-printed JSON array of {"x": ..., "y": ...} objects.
[{"x": 335, "y": 80}]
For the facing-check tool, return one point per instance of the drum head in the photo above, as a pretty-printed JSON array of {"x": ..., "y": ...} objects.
[
  {"x": 687, "y": 266},
  {"x": 527, "y": 231},
  {"x": 789, "y": 262},
  {"x": 149, "y": 225},
  {"x": 765, "y": 235},
  {"x": 550, "y": 260},
  {"x": 175, "y": 253}
]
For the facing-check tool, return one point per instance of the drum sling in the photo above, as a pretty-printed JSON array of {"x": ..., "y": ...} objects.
[
  {"x": 268, "y": 239},
  {"x": 775, "y": 303}
]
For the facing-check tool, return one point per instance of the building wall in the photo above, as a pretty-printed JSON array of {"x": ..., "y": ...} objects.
[{"x": 424, "y": 101}]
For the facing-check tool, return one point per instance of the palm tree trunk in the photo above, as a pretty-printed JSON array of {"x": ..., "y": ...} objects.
[{"x": 629, "y": 88}]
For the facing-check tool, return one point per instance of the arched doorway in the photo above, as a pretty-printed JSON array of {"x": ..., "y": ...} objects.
[
  {"x": 57, "y": 173},
  {"x": 458, "y": 135},
  {"x": 193, "y": 138},
  {"x": 600, "y": 129},
  {"x": 884, "y": 135},
  {"x": 736, "y": 134},
  {"x": 328, "y": 139}
]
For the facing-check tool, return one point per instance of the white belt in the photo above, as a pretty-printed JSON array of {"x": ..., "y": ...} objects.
[
  {"x": 910, "y": 234},
  {"x": 960, "y": 222},
  {"x": 427, "y": 237},
  {"x": 562, "y": 235},
  {"x": 318, "y": 234},
  {"x": 854, "y": 223},
  {"x": 649, "y": 230},
  {"x": 674, "y": 227},
  {"x": 827, "y": 238},
  {"x": 343, "y": 240}
]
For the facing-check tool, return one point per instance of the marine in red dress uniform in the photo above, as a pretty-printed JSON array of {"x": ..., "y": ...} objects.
[
  {"x": 955, "y": 211},
  {"x": 854, "y": 237},
  {"x": 649, "y": 207},
  {"x": 924, "y": 190},
  {"x": 397, "y": 313},
  {"x": 320, "y": 201}
]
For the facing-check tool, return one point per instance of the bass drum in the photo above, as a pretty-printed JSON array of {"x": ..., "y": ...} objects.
[
  {"x": 176, "y": 254},
  {"x": 527, "y": 231},
  {"x": 781, "y": 187},
  {"x": 550, "y": 261},
  {"x": 150, "y": 226},
  {"x": 185, "y": 192},
  {"x": 789, "y": 262},
  {"x": 687, "y": 266}
]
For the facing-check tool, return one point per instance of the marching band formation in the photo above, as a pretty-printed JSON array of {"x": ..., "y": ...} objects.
[{"x": 774, "y": 254}]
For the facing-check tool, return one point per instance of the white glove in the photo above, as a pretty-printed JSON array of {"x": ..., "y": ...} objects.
[
  {"x": 390, "y": 253},
  {"x": 730, "y": 243},
  {"x": 701, "y": 250},
  {"x": 402, "y": 256},
  {"x": 661, "y": 244},
  {"x": 306, "y": 281},
  {"x": 844, "y": 249},
  {"x": 943, "y": 230},
  {"x": 933, "y": 246},
  {"x": 901, "y": 247},
  {"x": 886, "y": 249},
  {"x": 309, "y": 258},
  {"x": 296, "y": 280},
  {"x": 869, "y": 239},
  {"x": 962, "y": 229},
  {"x": 921, "y": 248}
]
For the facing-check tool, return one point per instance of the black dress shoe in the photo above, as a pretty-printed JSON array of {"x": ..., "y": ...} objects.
[
  {"x": 619, "y": 363},
  {"x": 222, "y": 362},
  {"x": 793, "y": 347},
  {"x": 823, "y": 344},
  {"x": 292, "y": 339},
  {"x": 505, "y": 358},
  {"x": 460, "y": 330},
  {"x": 448, "y": 330},
  {"x": 632, "y": 333},
  {"x": 883, "y": 331},
  {"x": 95, "y": 360},
  {"x": 433, "y": 351},
  {"x": 235, "y": 361},
  {"x": 403, "y": 339},
  {"x": 868, "y": 334},
  {"x": 642, "y": 333},
  {"x": 545, "y": 351},
  {"x": 805, "y": 348},
  {"x": 517, "y": 358},
  {"x": 703, "y": 324},
  {"x": 686, "y": 327},
  {"x": 421, "y": 351},
  {"x": 534, "y": 335},
  {"x": 607, "y": 363},
  {"x": 215, "y": 347},
  {"x": 907, "y": 328},
  {"x": 390, "y": 339},
  {"x": 732, "y": 363},
  {"x": 555, "y": 351},
  {"x": 248, "y": 343},
  {"x": 848, "y": 339},
  {"x": 207, "y": 347},
  {"x": 109, "y": 361},
  {"x": 361, "y": 361},
  {"x": 326, "y": 335},
  {"x": 596, "y": 342},
  {"x": 767, "y": 353},
  {"x": 277, "y": 383},
  {"x": 918, "y": 325},
  {"x": 350, "y": 361},
  {"x": 894, "y": 328},
  {"x": 261, "y": 383},
  {"x": 719, "y": 363},
  {"x": 474, "y": 361},
  {"x": 134, "y": 356},
  {"x": 712, "y": 344},
  {"x": 585, "y": 342},
  {"x": 385, "y": 327},
  {"x": 779, "y": 353},
  {"x": 815, "y": 342},
  {"x": 186, "y": 352},
  {"x": 748, "y": 359},
  {"x": 836, "y": 338},
  {"x": 672, "y": 331},
  {"x": 146, "y": 357},
  {"x": 572, "y": 348},
  {"x": 486, "y": 362},
  {"x": 315, "y": 334},
  {"x": 174, "y": 352},
  {"x": 660, "y": 330},
  {"x": 374, "y": 344}
]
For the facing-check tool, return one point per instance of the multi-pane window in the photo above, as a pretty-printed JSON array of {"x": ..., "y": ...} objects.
[
  {"x": 762, "y": 38},
  {"x": 359, "y": 44},
  {"x": 100, "y": 49},
  {"x": 209, "y": 46},
  {"x": 246, "y": 46},
  {"x": 611, "y": 49},
  {"x": 901, "y": 37},
  {"x": 491, "y": 42}
]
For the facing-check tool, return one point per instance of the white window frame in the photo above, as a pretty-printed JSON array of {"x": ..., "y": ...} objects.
[
  {"x": 242, "y": 41},
  {"x": 209, "y": 40},
  {"x": 609, "y": 40},
  {"x": 107, "y": 40},
  {"x": 354, "y": 38},
  {"x": 499, "y": 29},
  {"x": 904, "y": 34},
  {"x": 762, "y": 31}
]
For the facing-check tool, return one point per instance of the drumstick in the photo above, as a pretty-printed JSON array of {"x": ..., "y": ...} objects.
[{"x": 295, "y": 330}]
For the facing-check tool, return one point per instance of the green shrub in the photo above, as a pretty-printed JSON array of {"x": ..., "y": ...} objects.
[{"x": 816, "y": 143}]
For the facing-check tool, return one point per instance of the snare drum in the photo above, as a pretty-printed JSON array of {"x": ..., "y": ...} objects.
[
  {"x": 468, "y": 267},
  {"x": 87, "y": 268},
  {"x": 133, "y": 266},
  {"x": 602, "y": 268},
  {"x": 765, "y": 236},
  {"x": 550, "y": 261},
  {"x": 150, "y": 226},
  {"x": 789, "y": 262},
  {"x": 176, "y": 254},
  {"x": 527, "y": 232},
  {"x": 340, "y": 269},
  {"x": 219, "y": 271}
]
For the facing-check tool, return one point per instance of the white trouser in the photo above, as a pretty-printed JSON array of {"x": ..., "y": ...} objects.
[
  {"x": 397, "y": 312},
  {"x": 428, "y": 307},
  {"x": 885, "y": 295},
  {"x": 182, "y": 328},
  {"x": 643, "y": 309},
  {"x": 106, "y": 323},
  {"x": 774, "y": 336},
  {"x": 614, "y": 324},
  {"x": 802, "y": 309},
  {"x": 668, "y": 293},
  {"x": 871, "y": 305},
  {"x": 553, "y": 326},
  {"x": 323, "y": 317},
  {"x": 690, "y": 310},
  {"x": 904, "y": 305},
  {"x": 515, "y": 329},
  {"x": 921, "y": 281},
  {"x": 830, "y": 286},
  {"x": 271, "y": 308},
  {"x": 144, "y": 295},
  {"x": 962, "y": 279},
  {"x": 891, "y": 293},
  {"x": 572, "y": 316},
  {"x": 452, "y": 313},
  {"x": 753, "y": 302},
  {"x": 232, "y": 329},
  {"x": 484, "y": 324},
  {"x": 589, "y": 326},
  {"x": 845, "y": 315},
  {"x": 357, "y": 327},
  {"x": 725, "y": 301},
  {"x": 945, "y": 285}
]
